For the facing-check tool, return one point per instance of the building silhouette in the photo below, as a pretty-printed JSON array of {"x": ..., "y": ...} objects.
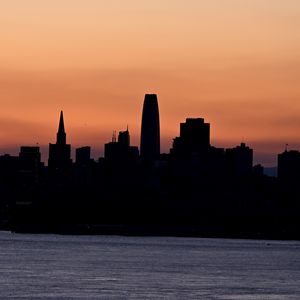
[
  {"x": 119, "y": 152},
  {"x": 194, "y": 137},
  {"x": 150, "y": 130},
  {"x": 30, "y": 166},
  {"x": 239, "y": 160},
  {"x": 258, "y": 170},
  {"x": 9, "y": 166},
  {"x": 83, "y": 156},
  {"x": 196, "y": 189},
  {"x": 192, "y": 151},
  {"x": 60, "y": 163},
  {"x": 289, "y": 166},
  {"x": 83, "y": 169},
  {"x": 124, "y": 138}
]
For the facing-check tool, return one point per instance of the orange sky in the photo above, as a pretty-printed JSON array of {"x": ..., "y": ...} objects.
[{"x": 235, "y": 63}]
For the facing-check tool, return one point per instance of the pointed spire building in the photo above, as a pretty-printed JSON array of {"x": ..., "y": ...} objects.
[
  {"x": 60, "y": 162},
  {"x": 61, "y": 134}
]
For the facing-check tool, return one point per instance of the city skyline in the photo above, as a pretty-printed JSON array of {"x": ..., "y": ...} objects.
[
  {"x": 150, "y": 149},
  {"x": 96, "y": 154},
  {"x": 235, "y": 64},
  {"x": 65, "y": 153},
  {"x": 195, "y": 180}
]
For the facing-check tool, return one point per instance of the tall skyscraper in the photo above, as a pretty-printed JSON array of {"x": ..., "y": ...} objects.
[
  {"x": 150, "y": 132},
  {"x": 59, "y": 162}
]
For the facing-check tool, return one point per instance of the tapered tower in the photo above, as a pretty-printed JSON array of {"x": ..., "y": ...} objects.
[
  {"x": 150, "y": 131},
  {"x": 60, "y": 162},
  {"x": 61, "y": 134}
]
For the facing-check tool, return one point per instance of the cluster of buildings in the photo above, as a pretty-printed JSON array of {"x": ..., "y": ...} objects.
[
  {"x": 195, "y": 184},
  {"x": 191, "y": 151}
]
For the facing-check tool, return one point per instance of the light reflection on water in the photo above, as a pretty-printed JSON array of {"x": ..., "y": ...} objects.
[{"x": 113, "y": 267}]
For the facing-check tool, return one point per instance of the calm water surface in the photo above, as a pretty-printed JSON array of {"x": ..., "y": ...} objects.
[{"x": 113, "y": 267}]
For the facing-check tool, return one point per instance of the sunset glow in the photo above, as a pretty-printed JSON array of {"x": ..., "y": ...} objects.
[{"x": 234, "y": 63}]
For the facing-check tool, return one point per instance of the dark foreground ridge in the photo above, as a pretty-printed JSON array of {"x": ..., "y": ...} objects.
[{"x": 195, "y": 190}]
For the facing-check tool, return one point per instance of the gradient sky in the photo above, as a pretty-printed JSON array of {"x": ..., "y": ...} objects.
[{"x": 235, "y": 63}]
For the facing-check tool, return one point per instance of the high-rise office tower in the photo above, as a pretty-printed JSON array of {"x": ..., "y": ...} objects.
[
  {"x": 124, "y": 138},
  {"x": 59, "y": 162},
  {"x": 150, "y": 132},
  {"x": 194, "y": 137}
]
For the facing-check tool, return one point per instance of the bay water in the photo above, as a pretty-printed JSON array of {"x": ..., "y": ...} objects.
[{"x": 44, "y": 266}]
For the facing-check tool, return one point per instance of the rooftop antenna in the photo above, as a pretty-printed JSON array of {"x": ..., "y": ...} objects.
[{"x": 114, "y": 136}]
